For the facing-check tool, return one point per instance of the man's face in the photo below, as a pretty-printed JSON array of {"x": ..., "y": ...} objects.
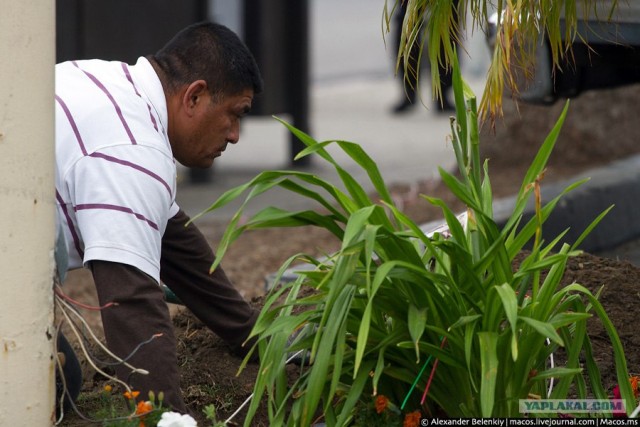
[{"x": 212, "y": 126}]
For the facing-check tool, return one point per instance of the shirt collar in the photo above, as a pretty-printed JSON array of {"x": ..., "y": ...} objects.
[{"x": 147, "y": 80}]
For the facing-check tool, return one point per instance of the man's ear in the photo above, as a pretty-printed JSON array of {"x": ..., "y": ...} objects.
[{"x": 194, "y": 95}]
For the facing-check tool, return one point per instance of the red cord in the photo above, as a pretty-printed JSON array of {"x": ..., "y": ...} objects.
[
  {"x": 65, "y": 297},
  {"x": 433, "y": 371}
]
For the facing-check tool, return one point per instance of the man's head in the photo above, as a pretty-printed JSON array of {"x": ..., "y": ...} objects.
[{"x": 209, "y": 78}]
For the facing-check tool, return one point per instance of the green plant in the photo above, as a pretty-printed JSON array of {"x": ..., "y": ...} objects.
[
  {"x": 441, "y": 325},
  {"x": 210, "y": 413},
  {"x": 123, "y": 411},
  {"x": 518, "y": 23}
]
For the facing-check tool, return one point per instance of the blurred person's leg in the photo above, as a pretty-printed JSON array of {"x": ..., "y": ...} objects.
[
  {"x": 446, "y": 74},
  {"x": 408, "y": 77}
]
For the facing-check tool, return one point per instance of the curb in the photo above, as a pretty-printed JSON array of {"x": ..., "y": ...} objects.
[{"x": 616, "y": 184}]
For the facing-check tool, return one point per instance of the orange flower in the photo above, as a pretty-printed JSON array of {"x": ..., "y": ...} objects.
[
  {"x": 412, "y": 419},
  {"x": 634, "y": 385},
  {"x": 108, "y": 388},
  {"x": 131, "y": 395},
  {"x": 143, "y": 408},
  {"x": 381, "y": 403}
]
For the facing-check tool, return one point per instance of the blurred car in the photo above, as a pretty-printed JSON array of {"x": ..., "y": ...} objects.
[{"x": 605, "y": 54}]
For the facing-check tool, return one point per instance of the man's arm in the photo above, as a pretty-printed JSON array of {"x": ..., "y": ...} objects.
[
  {"x": 184, "y": 267},
  {"x": 140, "y": 313}
]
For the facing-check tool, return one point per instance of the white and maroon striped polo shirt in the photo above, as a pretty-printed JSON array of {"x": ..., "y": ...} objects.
[{"x": 115, "y": 172}]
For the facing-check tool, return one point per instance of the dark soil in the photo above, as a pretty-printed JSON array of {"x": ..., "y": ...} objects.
[{"x": 601, "y": 127}]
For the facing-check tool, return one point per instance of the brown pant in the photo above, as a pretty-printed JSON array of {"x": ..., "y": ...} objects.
[{"x": 142, "y": 312}]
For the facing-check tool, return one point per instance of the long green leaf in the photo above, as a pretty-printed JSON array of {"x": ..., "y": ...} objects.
[
  {"x": 354, "y": 394},
  {"x": 541, "y": 158},
  {"x": 545, "y": 329},
  {"x": 320, "y": 367},
  {"x": 622, "y": 372},
  {"x": 464, "y": 320},
  {"x": 558, "y": 372},
  {"x": 528, "y": 230},
  {"x": 590, "y": 228},
  {"x": 460, "y": 190},
  {"x": 356, "y": 225},
  {"x": 416, "y": 322},
  {"x": 510, "y": 305},
  {"x": 489, "y": 368},
  {"x": 363, "y": 335},
  {"x": 356, "y": 152}
]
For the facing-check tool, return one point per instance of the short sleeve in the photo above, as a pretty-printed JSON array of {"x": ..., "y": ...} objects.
[{"x": 122, "y": 197}]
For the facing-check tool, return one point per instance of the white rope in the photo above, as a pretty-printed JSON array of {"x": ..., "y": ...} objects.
[
  {"x": 97, "y": 340},
  {"x": 552, "y": 365},
  {"x": 86, "y": 353},
  {"x": 635, "y": 413}
]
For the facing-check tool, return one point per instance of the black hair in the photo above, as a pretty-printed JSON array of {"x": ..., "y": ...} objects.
[{"x": 213, "y": 53}]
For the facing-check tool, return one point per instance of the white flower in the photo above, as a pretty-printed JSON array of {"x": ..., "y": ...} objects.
[{"x": 173, "y": 419}]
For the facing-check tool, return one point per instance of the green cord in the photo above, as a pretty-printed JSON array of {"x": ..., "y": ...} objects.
[{"x": 415, "y": 382}]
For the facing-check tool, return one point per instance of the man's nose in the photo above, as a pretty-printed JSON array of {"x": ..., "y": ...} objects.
[{"x": 234, "y": 135}]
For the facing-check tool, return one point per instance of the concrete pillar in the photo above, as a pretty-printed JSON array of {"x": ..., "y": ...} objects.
[{"x": 27, "y": 49}]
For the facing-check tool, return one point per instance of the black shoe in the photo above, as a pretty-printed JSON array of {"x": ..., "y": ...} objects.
[
  {"x": 403, "y": 106},
  {"x": 445, "y": 106},
  {"x": 71, "y": 372}
]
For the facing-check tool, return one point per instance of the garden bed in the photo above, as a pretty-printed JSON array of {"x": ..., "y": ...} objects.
[{"x": 599, "y": 129}]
